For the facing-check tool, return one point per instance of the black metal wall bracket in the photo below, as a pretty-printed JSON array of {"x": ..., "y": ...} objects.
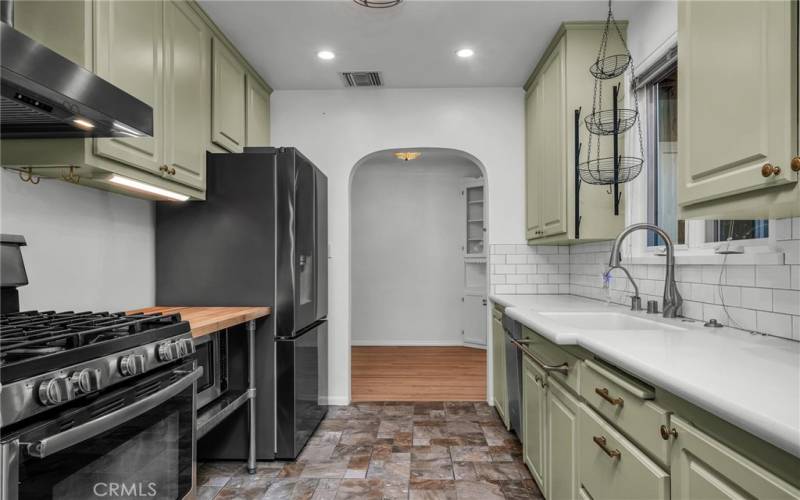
[{"x": 578, "y": 146}]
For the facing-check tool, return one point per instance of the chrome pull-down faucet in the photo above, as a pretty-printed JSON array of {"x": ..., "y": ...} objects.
[{"x": 672, "y": 298}]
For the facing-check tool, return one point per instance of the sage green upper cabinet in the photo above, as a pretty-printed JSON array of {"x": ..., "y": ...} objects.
[
  {"x": 187, "y": 100},
  {"x": 559, "y": 85},
  {"x": 704, "y": 468},
  {"x": 128, "y": 53},
  {"x": 533, "y": 160},
  {"x": 257, "y": 114},
  {"x": 737, "y": 115},
  {"x": 228, "y": 100},
  {"x": 159, "y": 51}
]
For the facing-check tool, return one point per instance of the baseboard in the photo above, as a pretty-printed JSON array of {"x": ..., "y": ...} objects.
[
  {"x": 405, "y": 343},
  {"x": 335, "y": 401}
]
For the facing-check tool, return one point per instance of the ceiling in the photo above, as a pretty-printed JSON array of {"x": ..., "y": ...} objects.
[{"x": 412, "y": 45}]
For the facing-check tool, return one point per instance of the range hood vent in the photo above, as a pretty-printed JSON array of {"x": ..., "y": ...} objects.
[
  {"x": 46, "y": 95},
  {"x": 362, "y": 79}
]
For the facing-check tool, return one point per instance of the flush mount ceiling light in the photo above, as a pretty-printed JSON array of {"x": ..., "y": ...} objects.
[
  {"x": 407, "y": 155},
  {"x": 378, "y": 4},
  {"x": 326, "y": 55},
  {"x": 465, "y": 53}
]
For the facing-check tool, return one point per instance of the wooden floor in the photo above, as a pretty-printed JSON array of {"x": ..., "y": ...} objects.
[{"x": 418, "y": 374}]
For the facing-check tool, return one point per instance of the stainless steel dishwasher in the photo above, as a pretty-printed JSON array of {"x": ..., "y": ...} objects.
[{"x": 513, "y": 330}]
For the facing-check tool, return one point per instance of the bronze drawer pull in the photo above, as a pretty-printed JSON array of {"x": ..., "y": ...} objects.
[
  {"x": 666, "y": 433},
  {"x": 795, "y": 164},
  {"x": 603, "y": 393},
  {"x": 601, "y": 442}
]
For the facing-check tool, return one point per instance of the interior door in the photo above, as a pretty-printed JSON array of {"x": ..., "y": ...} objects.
[
  {"x": 738, "y": 83},
  {"x": 186, "y": 62},
  {"x": 128, "y": 53},
  {"x": 474, "y": 319}
]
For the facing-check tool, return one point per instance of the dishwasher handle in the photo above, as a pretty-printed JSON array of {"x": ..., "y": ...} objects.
[{"x": 563, "y": 368}]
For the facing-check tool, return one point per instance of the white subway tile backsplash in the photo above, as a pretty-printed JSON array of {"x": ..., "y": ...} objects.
[
  {"x": 757, "y": 298},
  {"x": 786, "y": 301},
  {"x": 761, "y": 298},
  {"x": 773, "y": 276},
  {"x": 774, "y": 324}
]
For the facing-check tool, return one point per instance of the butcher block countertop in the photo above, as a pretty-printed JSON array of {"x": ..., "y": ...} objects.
[{"x": 206, "y": 320}]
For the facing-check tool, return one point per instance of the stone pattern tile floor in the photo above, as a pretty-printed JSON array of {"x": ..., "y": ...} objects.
[{"x": 416, "y": 451}]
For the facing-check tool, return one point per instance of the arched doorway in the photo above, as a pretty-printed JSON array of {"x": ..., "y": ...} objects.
[{"x": 418, "y": 276}]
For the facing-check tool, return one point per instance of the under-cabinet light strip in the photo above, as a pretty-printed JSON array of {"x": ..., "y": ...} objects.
[{"x": 141, "y": 186}]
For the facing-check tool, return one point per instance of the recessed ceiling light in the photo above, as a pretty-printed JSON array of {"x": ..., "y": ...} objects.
[
  {"x": 326, "y": 55},
  {"x": 465, "y": 53}
]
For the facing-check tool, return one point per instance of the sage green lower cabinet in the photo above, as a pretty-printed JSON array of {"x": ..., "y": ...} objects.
[
  {"x": 534, "y": 401},
  {"x": 561, "y": 450},
  {"x": 703, "y": 468},
  {"x": 612, "y": 467},
  {"x": 499, "y": 368}
]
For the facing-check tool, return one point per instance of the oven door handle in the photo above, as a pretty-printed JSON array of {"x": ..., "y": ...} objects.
[{"x": 63, "y": 440}]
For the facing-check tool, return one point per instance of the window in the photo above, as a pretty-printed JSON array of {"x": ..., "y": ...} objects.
[
  {"x": 658, "y": 88},
  {"x": 662, "y": 165}
]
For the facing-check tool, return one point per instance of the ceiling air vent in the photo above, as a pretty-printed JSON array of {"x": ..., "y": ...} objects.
[{"x": 362, "y": 79}]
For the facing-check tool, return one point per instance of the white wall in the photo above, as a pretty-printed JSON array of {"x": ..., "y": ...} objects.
[
  {"x": 87, "y": 249},
  {"x": 651, "y": 25},
  {"x": 337, "y": 128},
  {"x": 407, "y": 266}
]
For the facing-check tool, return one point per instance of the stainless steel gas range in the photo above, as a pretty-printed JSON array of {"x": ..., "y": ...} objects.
[{"x": 96, "y": 405}]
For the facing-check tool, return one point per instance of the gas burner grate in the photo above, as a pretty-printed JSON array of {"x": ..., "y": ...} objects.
[{"x": 31, "y": 336}]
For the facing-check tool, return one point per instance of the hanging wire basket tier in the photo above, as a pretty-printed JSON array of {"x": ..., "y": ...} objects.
[
  {"x": 610, "y": 67},
  {"x": 602, "y": 122},
  {"x": 600, "y": 171}
]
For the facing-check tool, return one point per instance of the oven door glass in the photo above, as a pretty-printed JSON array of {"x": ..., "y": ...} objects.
[{"x": 149, "y": 455}]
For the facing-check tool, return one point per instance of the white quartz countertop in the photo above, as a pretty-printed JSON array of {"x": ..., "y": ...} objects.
[{"x": 751, "y": 381}]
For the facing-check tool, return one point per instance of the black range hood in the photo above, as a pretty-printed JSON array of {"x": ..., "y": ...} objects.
[{"x": 45, "y": 95}]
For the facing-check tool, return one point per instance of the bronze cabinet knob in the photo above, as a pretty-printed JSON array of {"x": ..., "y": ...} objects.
[
  {"x": 666, "y": 433},
  {"x": 795, "y": 164},
  {"x": 770, "y": 169}
]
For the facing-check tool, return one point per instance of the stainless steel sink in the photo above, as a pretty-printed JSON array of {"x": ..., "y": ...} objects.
[{"x": 607, "y": 321}]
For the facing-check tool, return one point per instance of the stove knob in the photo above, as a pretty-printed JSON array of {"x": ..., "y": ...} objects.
[
  {"x": 132, "y": 364},
  {"x": 165, "y": 352},
  {"x": 55, "y": 391},
  {"x": 86, "y": 380},
  {"x": 186, "y": 346}
]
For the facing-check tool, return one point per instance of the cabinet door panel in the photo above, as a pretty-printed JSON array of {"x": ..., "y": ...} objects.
[
  {"x": 499, "y": 368},
  {"x": 533, "y": 160},
  {"x": 533, "y": 420},
  {"x": 737, "y": 79},
  {"x": 228, "y": 113},
  {"x": 703, "y": 468},
  {"x": 257, "y": 114},
  {"x": 128, "y": 53},
  {"x": 562, "y": 442},
  {"x": 553, "y": 168},
  {"x": 187, "y": 91}
]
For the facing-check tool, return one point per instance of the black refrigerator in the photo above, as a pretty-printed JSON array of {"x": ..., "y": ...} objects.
[{"x": 259, "y": 239}]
